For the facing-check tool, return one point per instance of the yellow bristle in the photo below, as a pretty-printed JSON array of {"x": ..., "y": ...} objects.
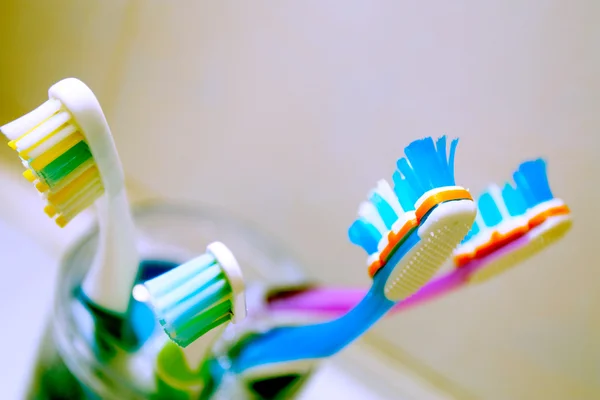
[
  {"x": 50, "y": 210},
  {"x": 72, "y": 188},
  {"x": 42, "y": 186},
  {"x": 61, "y": 221},
  {"x": 43, "y": 160},
  {"x": 83, "y": 192},
  {"x": 28, "y": 174},
  {"x": 83, "y": 201},
  {"x": 12, "y": 144}
]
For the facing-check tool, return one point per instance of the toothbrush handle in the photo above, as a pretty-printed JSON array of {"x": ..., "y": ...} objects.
[{"x": 338, "y": 301}]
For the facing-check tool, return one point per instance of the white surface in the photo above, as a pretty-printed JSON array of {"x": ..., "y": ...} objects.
[{"x": 25, "y": 294}]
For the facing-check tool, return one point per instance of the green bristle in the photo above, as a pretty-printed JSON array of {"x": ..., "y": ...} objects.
[
  {"x": 66, "y": 163},
  {"x": 190, "y": 331}
]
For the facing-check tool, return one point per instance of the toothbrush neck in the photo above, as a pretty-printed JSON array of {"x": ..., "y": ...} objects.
[
  {"x": 200, "y": 348},
  {"x": 317, "y": 341},
  {"x": 110, "y": 279},
  {"x": 358, "y": 320}
]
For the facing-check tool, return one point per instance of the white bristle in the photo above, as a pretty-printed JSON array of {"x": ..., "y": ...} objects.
[
  {"x": 372, "y": 258},
  {"x": 43, "y": 130},
  {"x": 403, "y": 219},
  {"x": 383, "y": 243},
  {"x": 17, "y": 128},
  {"x": 368, "y": 211},
  {"x": 396, "y": 227},
  {"x": 387, "y": 193},
  {"x": 52, "y": 141}
]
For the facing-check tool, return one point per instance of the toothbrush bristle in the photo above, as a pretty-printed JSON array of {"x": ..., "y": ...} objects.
[
  {"x": 424, "y": 180},
  {"x": 191, "y": 299},
  {"x": 425, "y": 167},
  {"x": 510, "y": 206},
  {"x": 384, "y": 209},
  {"x": 515, "y": 203},
  {"x": 365, "y": 235},
  {"x": 369, "y": 213},
  {"x": 489, "y": 210},
  {"x": 475, "y": 229},
  {"x": 532, "y": 181},
  {"x": 58, "y": 160}
]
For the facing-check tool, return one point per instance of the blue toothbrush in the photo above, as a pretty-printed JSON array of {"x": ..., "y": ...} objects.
[{"x": 408, "y": 232}]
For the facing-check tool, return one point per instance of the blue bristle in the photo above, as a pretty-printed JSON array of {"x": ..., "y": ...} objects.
[
  {"x": 424, "y": 159},
  {"x": 489, "y": 210},
  {"x": 387, "y": 213},
  {"x": 515, "y": 203},
  {"x": 406, "y": 195},
  {"x": 411, "y": 178},
  {"x": 441, "y": 154},
  {"x": 425, "y": 167},
  {"x": 451, "y": 156},
  {"x": 523, "y": 188},
  {"x": 532, "y": 181},
  {"x": 365, "y": 235},
  {"x": 474, "y": 231}
]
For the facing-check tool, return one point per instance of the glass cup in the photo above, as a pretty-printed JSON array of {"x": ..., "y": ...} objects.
[{"x": 77, "y": 361}]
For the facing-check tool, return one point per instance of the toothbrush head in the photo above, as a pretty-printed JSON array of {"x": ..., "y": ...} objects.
[
  {"x": 67, "y": 149},
  {"x": 500, "y": 220},
  {"x": 532, "y": 182},
  {"x": 514, "y": 223},
  {"x": 199, "y": 295},
  {"x": 423, "y": 183}
]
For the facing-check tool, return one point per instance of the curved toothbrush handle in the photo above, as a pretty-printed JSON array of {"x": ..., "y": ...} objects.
[{"x": 338, "y": 301}]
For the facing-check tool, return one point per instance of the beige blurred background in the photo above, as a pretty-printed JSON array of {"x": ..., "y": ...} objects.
[{"x": 286, "y": 113}]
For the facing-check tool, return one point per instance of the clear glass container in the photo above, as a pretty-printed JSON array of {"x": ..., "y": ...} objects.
[{"x": 76, "y": 361}]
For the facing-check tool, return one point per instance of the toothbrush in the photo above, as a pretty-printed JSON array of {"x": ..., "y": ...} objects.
[
  {"x": 408, "y": 232},
  {"x": 193, "y": 303},
  {"x": 67, "y": 149},
  {"x": 516, "y": 224},
  {"x": 526, "y": 207}
]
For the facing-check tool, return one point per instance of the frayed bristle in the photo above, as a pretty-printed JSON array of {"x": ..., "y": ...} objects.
[
  {"x": 495, "y": 206},
  {"x": 532, "y": 181},
  {"x": 191, "y": 299},
  {"x": 384, "y": 209},
  {"x": 506, "y": 215},
  {"x": 368, "y": 212},
  {"x": 365, "y": 235},
  {"x": 515, "y": 203},
  {"x": 55, "y": 152},
  {"x": 425, "y": 167},
  {"x": 489, "y": 210}
]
